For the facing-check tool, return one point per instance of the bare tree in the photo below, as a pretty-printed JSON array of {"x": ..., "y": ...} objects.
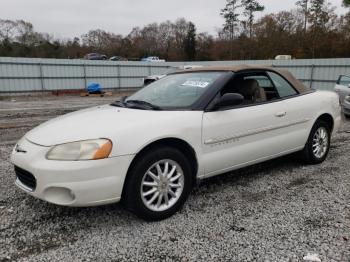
[
  {"x": 180, "y": 28},
  {"x": 100, "y": 40},
  {"x": 165, "y": 38},
  {"x": 25, "y": 33},
  {"x": 205, "y": 46},
  {"x": 327, "y": 35},
  {"x": 149, "y": 35},
  {"x": 7, "y": 30}
]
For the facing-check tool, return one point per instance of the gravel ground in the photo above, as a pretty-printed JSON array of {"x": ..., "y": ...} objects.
[{"x": 276, "y": 211}]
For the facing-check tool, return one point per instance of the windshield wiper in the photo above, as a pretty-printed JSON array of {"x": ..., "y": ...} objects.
[
  {"x": 143, "y": 104},
  {"x": 120, "y": 103}
]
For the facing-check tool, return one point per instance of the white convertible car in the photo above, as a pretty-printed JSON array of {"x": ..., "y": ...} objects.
[{"x": 149, "y": 149}]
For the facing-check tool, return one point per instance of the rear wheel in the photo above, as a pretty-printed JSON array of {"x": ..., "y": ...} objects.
[
  {"x": 158, "y": 184},
  {"x": 318, "y": 144}
]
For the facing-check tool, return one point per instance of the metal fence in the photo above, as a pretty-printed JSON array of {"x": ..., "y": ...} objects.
[{"x": 27, "y": 75}]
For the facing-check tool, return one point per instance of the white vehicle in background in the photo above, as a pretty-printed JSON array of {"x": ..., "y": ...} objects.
[
  {"x": 149, "y": 149},
  {"x": 283, "y": 57},
  {"x": 150, "y": 79},
  {"x": 152, "y": 59},
  {"x": 343, "y": 89}
]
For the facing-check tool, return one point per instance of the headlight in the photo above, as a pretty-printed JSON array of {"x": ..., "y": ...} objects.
[{"x": 81, "y": 150}]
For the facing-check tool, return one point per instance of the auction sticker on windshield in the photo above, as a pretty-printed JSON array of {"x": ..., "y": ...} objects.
[{"x": 201, "y": 84}]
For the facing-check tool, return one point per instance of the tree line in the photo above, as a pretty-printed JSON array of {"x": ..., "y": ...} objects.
[{"x": 312, "y": 29}]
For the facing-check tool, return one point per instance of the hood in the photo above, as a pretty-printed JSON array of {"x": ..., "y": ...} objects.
[{"x": 97, "y": 122}]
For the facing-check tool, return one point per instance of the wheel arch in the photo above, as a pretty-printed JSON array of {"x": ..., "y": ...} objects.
[
  {"x": 328, "y": 118},
  {"x": 177, "y": 143}
]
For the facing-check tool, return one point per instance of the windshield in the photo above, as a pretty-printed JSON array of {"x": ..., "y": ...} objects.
[{"x": 178, "y": 90}]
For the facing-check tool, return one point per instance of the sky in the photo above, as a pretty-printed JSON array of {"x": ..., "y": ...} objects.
[{"x": 69, "y": 18}]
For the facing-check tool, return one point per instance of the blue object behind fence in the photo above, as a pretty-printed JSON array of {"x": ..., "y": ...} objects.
[{"x": 94, "y": 88}]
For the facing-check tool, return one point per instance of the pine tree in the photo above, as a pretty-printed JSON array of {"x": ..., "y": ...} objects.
[
  {"x": 231, "y": 16},
  {"x": 346, "y": 3},
  {"x": 318, "y": 14},
  {"x": 304, "y": 5},
  {"x": 190, "y": 42},
  {"x": 251, "y": 7}
]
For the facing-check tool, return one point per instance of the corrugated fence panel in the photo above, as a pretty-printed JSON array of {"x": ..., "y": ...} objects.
[{"x": 27, "y": 74}]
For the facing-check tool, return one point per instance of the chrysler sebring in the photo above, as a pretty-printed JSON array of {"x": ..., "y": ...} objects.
[{"x": 148, "y": 150}]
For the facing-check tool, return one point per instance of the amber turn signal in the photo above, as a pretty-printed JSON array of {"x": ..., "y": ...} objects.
[{"x": 103, "y": 151}]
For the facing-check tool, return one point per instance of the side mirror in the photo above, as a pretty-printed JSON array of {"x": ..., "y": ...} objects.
[{"x": 229, "y": 100}]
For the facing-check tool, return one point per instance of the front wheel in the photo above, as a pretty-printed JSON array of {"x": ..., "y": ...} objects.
[
  {"x": 318, "y": 144},
  {"x": 158, "y": 184}
]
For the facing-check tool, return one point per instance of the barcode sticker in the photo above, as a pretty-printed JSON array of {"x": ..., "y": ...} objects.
[{"x": 200, "y": 84}]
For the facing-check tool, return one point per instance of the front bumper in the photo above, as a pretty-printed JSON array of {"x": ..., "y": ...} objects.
[{"x": 71, "y": 183}]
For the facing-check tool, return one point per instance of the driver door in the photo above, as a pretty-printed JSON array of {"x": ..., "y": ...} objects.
[{"x": 239, "y": 136}]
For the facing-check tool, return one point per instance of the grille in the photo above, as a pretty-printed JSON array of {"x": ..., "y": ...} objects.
[{"x": 26, "y": 178}]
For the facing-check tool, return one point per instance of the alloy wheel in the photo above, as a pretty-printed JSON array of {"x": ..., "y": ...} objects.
[
  {"x": 162, "y": 185},
  {"x": 320, "y": 142}
]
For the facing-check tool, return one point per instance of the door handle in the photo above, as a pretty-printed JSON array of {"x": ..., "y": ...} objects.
[{"x": 281, "y": 114}]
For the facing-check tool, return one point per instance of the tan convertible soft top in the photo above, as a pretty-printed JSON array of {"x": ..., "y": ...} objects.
[{"x": 241, "y": 68}]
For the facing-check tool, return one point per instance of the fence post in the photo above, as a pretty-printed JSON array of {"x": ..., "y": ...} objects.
[
  {"x": 312, "y": 75},
  {"x": 119, "y": 77},
  {"x": 85, "y": 79},
  {"x": 41, "y": 77},
  {"x": 149, "y": 70}
]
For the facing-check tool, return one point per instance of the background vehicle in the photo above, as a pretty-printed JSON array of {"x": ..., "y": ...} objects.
[
  {"x": 343, "y": 89},
  {"x": 118, "y": 58},
  {"x": 150, "y": 79},
  {"x": 95, "y": 56},
  {"x": 151, "y": 150},
  {"x": 283, "y": 57},
  {"x": 152, "y": 59}
]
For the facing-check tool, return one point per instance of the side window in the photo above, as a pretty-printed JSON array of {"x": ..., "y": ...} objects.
[
  {"x": 265, "y": 85},
  {"x": 344, "y": 81},
  {"x": 254, "y": 87},
  {"x": 284, "y": 89},
  {"x": 264, "y": 81}
]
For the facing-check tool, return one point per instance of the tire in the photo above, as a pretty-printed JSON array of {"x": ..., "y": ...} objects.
[
  {"x": 320, "y": 135},
  {"x": 144, "y": 177}
]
